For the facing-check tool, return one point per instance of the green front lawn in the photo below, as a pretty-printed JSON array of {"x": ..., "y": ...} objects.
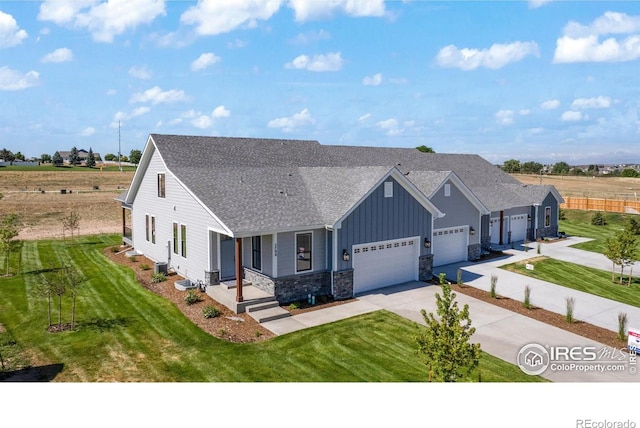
[
  {"x": 126, "y": 333},
  {"x": 582, "y": 278},
  {"x": 578, "y": 223}
]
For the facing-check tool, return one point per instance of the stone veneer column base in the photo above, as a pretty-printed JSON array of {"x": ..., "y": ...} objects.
[
  {"x": 212, "y": 278},
  {"x": 545, "y": 232},
  {"x": 425, "y": 267},
  {"x": 343, "y": 284},
  {"x": 474, "y": 251}
]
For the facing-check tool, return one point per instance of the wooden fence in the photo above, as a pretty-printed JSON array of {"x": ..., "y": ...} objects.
[{"x": 596, "y": 204}]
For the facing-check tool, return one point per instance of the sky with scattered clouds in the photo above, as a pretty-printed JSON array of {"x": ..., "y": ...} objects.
[{"x": 543, "y": 80}]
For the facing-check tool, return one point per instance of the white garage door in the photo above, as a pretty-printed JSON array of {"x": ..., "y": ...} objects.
[
  {"x": 449, "y": 245},
  {"x": 495, "y": 230},
  {"x": 384, "y": 263},
  {"x": 518, "y": 227}
]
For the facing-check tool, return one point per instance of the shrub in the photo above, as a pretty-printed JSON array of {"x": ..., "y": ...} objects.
[
  {"x": 158, "y": 277},
  {"x": 598, "y": 219},
  {"x": 222, "y": 332},
  {"x": 443, "y": 278},
  {"x": 622, "y": 326},
  {"x": 632, "y": 225},
  {"x": 145, "y": 266},
  {"x": 192, "y": 297},
  {"x": 494, "y": 282},
  {"x": 114, "y": 249},
  {"x": 459, "y": 276},
  {"x": 258, "y": 333},
  {"x": 539, "y": 248},
  {"x": 133, "y": 259},
  {"x": 571, "y": 303},
  {"x": 527, "y": 297},
  {"x": 562, "y": 214},
  {"x": 210, "y": 311},
  {"x": 294, "y": 305}
]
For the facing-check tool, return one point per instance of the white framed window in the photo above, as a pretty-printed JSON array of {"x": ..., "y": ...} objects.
[
  {"x": 161, "y": 185},
  {"x": 175, "y": 238},
  {"x": 256, "y": 252},
  {"x": 304, "y": 245},
  {"x": 547, "y": 216},
  {"x": 388, "y": 189},
  {"x": 153, "y": 229},
  {"x": 183, "y": 240},
  {"x": 447, "y": 189},
  {"x": 146, "y": 227}
]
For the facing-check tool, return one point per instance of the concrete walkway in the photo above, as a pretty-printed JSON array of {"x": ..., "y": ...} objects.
[{"x": 500, "y": 332}]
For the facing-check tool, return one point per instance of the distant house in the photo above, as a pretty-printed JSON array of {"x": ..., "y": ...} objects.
[
  {"x": 297, "y": 217},
  {"x": 82, "y": 155}
]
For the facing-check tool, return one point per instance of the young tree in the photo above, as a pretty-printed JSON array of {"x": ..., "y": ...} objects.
[
  {"x": 134, "y": 157},
  {"x": 74, "y": 280},
  {"x": 612, "y": 252},
  {"x": 44, "y": 289},
  {"x": 622, "y": 251},
  {"x": 57, "y": 159},
  {"x": 74, "y": 158},
  {"x": 444, "y": 344},
  {"x": 8, "y": 231},
  {"x": 91, "y": 159},
  {"x": 71, "y": 222}
]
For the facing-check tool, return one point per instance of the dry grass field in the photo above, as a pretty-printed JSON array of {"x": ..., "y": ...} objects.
[
  {"x": 591, "y": 187},
  {"x": 41, "y": 213}
]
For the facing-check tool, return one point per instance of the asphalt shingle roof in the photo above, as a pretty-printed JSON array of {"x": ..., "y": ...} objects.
[{"x": 255, "y": 184}]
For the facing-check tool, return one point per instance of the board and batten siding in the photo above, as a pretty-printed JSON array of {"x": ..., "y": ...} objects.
[
  {"x": 180, "y": 207},
  {"x": 549, "y": 201},
  {"x": 382, "y": 219},
  {"x": 287, "y": 252},
  {"x": 459, "y": 211}
]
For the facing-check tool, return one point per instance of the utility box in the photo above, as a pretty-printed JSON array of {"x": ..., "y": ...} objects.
[{"x": 161, "y": 267}]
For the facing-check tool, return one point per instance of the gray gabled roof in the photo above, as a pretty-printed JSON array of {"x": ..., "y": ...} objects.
[{"x": 256, "y": 184}]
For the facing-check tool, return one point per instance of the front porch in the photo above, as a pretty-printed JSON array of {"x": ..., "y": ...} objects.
[{"x": 259, "y": 304}]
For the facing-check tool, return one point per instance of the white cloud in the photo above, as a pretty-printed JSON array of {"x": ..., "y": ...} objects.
[
  {"x": 306, "y": 10},
  {"x": 111, "y": 92},
  {"x": 139, "y": 111},
  {"x": 12, "y": 80},
  {"x": 364, "y": 117},
  {"x": 534, "y": 4},
  {"x": 212, "y": 17},
  {"x": 141, "y": 72},
  {"x": 59, "y": 55},
  {"x": 504, "y": 117},
  {"x": 573, "y": 116},
  {"x": 596, "y": 102},
  {"x": 374, "y": 80},
  {"x": 202, "y": 122},
  {"x": 291, "y": 123},
  {"x": 87, "y": 132},
  {"x": 10, "y": 32},
  {"x": 581, "y": 43},
  {"x": 103, "y": 19},
  {"x": 329, "y": 62},
  {"x": 524, "y": 112},
  {"x": 390, "y": 126},
  {"x": 156, "y": 95},
  {"x": 204, "y": 61},
  {"x": 220, "y": 111},
  {"x": 310, "y": 37},
  {"x": 122, "y": 116},
  {"x": 237, "y": 44},
  {"x": 550, "y": 105},
  {"x": 497, "y": 56}
]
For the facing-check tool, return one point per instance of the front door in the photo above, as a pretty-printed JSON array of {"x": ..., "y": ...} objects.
[{"x": 227, "y": 258}]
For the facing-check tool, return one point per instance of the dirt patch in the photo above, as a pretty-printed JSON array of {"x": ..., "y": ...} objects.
[{"x": 592, "y": 187}]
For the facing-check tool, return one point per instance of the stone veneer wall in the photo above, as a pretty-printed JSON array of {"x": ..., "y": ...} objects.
[
  {"x": 485, "y": 243},
  {"x": 474, "y": 251},
  {"x": 425, "y": 267},
  {"x": 212, "y": 278},
  {"x": 291, "y": 288},
  {"x": 343, "y": 284},
  {"x": 551, "y": 231}
]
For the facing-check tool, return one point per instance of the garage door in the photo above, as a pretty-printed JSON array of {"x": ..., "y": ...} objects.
[
  {"x": 495, "y": 230},
  {"x": 380, "y": 264},
  {"x": 449, "y": 245},
  {"x": 518, "y": 227}
]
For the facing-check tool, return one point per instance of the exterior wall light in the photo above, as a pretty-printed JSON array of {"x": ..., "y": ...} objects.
[
  {"x": 427, "y": 243},
  {"x": 345, "y": 255},
  {"x": 472, "y": 231}
]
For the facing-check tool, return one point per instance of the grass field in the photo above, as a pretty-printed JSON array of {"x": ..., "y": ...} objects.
[
  {"x": 593, "y": 187},
  {"x": 126, "y": 333},
  {"x": 578, "y": 223},
  {"x": 594, "y": 281}
]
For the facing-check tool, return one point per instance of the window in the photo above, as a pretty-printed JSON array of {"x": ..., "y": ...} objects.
[
  {"x": 256, "y": 252},
  {"x": 183, "y": 240},
  {"x": 175, "y": 238},
  {"x": 447, "y": 189},
  {"x": 303, "y": 252},
  {"x": 547, "y": 216},
  {"x": 146, "y": 225},
  {"x": 153, "y": 230},
  {"x": 161, "y": 186},
  {"x": 388, "y": 189}
]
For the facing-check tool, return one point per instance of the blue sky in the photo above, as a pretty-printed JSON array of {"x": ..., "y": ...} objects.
[{"x": 532, "y": 80}]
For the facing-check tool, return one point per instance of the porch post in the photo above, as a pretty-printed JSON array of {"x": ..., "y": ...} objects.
[
  {"x": 239, "y": 297},
  {"x": 124, "y": 224},
  {"x": 501, "y": 226}
]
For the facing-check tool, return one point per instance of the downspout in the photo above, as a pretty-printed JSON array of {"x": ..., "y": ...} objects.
[
  {"x": 239, "y": 297},
  {"x": 501, "y": 227}
]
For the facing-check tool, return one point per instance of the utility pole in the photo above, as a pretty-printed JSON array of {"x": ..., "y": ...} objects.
[{"x": 119, "y": 154}]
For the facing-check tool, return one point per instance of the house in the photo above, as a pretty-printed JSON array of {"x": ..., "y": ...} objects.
[
  {"x": 296, "y": 217},
  {"x": 82, "y": 155}
]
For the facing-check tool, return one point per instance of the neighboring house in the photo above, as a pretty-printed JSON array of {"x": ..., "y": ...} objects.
[
  {"x": 82, "y": 155},
  {"x": 298, "y": 218}
]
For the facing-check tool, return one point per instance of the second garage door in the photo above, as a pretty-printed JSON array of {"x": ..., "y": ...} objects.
[
  {"x": 380, "y": 264},
  {"x": 518, "y": 227},
  {"x": 449, "y": 245}
]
